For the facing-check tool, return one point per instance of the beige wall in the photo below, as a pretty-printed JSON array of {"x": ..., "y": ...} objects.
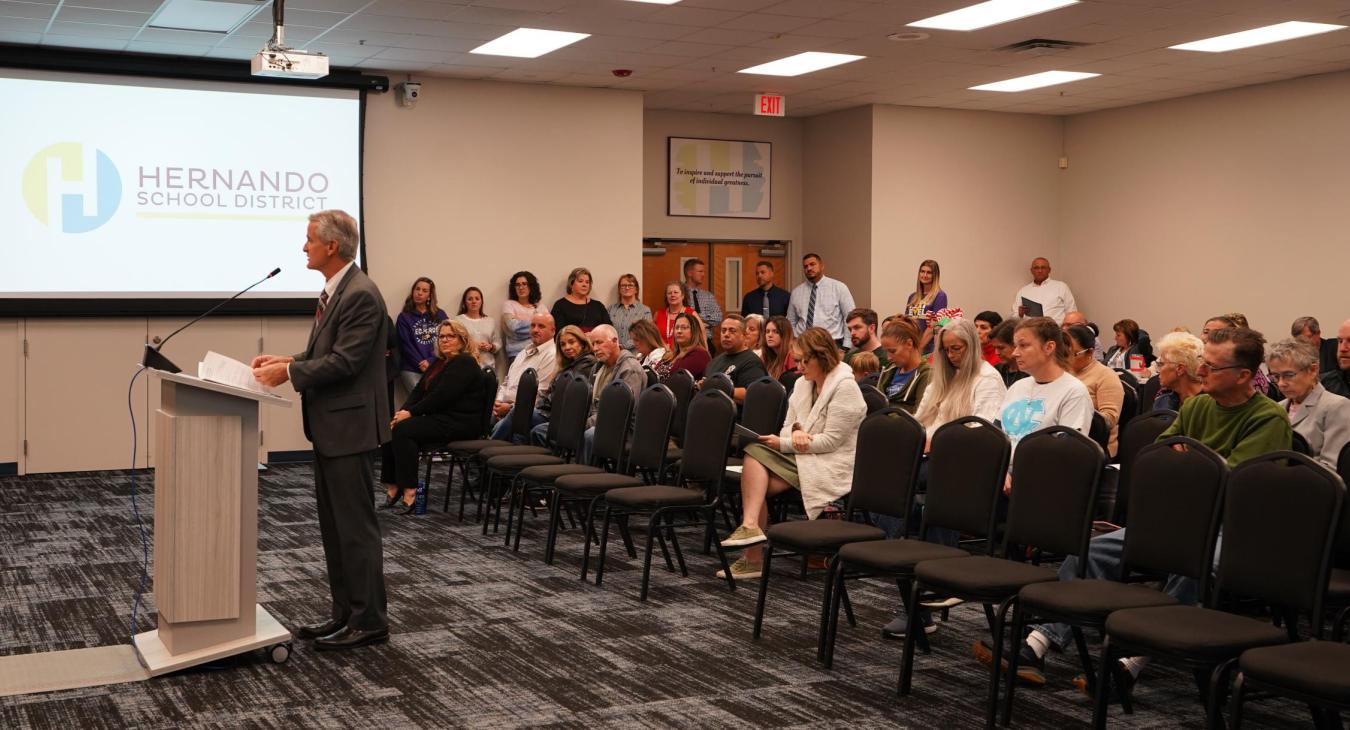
[
  {"x": 837, "y": 193},
  {"x": 784, "y": 133},
  {"x": 976, "y": 191},
  {"x": 1235, "y": 200}
]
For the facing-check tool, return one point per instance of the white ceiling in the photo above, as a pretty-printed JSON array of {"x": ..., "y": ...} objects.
[{"x": 685, "y": 56}]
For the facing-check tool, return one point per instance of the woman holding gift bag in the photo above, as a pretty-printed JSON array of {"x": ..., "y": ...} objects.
[{"x": 927, "y": 299}]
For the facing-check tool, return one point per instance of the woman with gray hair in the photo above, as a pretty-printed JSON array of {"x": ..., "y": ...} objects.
[
  {"x": 1321, "y": 417},
  {"x": 1179, "y": 356},
  {"x": 962, "y": 384}
]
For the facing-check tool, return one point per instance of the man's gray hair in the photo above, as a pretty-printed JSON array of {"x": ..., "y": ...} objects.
[
  {"x": 337, "y": 225},
  {"x": 1310, "y": 323},
  {"x": 606, "y": 331},
  {"x": 1295, "y": 352}
]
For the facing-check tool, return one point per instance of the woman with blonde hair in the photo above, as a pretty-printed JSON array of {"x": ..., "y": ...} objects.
[
  {"x": 446, "y": 405},
  {"x": 1178, "y": 363},
  {"x": 576, "y": 306},
  {"x": 647, "y": 340},
  {"x": 926, "y": 299}
]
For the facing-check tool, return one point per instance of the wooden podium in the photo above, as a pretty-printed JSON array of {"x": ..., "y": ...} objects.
[{"x": 206, "y": 527}]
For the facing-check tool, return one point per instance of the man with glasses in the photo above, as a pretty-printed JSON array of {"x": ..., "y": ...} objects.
[
  {"x": 1322, "y": 418},
  {"x": 1232, "y": 418},
  {"x": 1338, "y": 381}
]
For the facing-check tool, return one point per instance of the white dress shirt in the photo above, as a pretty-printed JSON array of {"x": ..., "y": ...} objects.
[
  {"x": 543, "y": 358},
  {"x": 1053, "y": 295},
  {"x": 833, "y": 303}
]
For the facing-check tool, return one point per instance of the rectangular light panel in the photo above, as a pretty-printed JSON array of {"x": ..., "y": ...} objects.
[
  {"x": 802, "y": 63},
  {"x": 990, "y": 13},
  {"x": 529, "y": 43},
  {"x": 1258, "y": 36},
  {"x": 1035, "y": 81}
]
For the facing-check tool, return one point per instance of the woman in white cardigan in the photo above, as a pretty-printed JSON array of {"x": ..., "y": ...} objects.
[{"x": 814, "y": 451}]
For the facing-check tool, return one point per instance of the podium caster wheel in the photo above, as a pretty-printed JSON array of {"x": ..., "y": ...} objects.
[{"x": 279, "y": 653}]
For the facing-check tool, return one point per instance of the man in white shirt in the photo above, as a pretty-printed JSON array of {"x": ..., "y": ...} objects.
[
  {"x": 1053, "y": 295},
  {"x": 820, "y": 301},
  {"x": 540, "y": 355}
]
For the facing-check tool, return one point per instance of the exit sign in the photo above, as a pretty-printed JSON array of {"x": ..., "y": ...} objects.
[{"x": 769, "y": 105}]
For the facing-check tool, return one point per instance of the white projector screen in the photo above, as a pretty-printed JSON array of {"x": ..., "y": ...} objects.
[{"x": 123, "y": 188}]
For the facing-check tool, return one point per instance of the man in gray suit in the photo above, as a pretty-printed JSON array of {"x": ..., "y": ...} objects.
[{"x": 340, "y": 378}]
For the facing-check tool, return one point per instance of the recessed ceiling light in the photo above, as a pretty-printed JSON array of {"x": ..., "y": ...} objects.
[
  {"x": 802, "y": 63},
  {"x": 1258, "y": 36},
  {"x": 529, "y": 43},
  {"x": 990, "y": 13},
  {"x": 1035, "y": 81},
  {"x": 206, "y": 16}
]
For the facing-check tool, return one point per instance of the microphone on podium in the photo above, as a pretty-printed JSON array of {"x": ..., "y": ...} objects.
[{"x": 152, "y": 357}]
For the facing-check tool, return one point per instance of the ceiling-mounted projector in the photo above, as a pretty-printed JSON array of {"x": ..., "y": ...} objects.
[{"x": 278, "y": 61}]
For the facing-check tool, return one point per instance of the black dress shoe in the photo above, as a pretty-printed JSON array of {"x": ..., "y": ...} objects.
[
  {"x": 349, "y": 638},
  {"x": 314, "y": 631},
  {"x": 410, "y": 509},
  {"x": 390, "y": 502}
]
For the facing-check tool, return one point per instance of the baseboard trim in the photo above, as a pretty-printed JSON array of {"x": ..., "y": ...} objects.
[
  {"x": 290, "y": 457},
  {"x": 9, "y": 468}
]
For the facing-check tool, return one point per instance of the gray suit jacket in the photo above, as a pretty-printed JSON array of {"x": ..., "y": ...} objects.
[
  {"x": 340, "y": 375},
  {"x": 1324, "y": 420}
]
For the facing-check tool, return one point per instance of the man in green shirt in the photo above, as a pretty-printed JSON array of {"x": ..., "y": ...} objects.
[
  {"x": 862, "y": 333},
  {"x": 1229, "y": 416}
]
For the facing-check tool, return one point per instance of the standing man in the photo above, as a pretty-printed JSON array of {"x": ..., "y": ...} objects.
[
  {"x": 741, "y": 365},
  {"x": 1053, "y": 296},
  {"x": 819, "y": 301},
  {"x": 862, "y": 332},
  {"x": 1338, "y": 380},
  {"x": 341, "y": 380},
  {"x": 767, "y": 299},
  {"x": 702, "y": 300}
]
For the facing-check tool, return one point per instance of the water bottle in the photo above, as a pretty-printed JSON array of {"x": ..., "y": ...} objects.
[{"x": 420, "y": 501}]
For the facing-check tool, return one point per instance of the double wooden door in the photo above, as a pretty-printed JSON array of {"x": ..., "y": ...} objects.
[{"x": 731, "y": 271}]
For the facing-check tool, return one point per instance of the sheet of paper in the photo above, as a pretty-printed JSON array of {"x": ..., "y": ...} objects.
[{"x": 218, "y": 368}]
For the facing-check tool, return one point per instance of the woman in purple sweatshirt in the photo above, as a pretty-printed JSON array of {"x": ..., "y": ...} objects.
[{"x": 417, "y": 331}]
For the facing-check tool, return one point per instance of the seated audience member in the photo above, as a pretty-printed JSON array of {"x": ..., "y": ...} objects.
[
  {"x": 446, "y": 405},
  {"x": 754, "y": 334},
  {"x": 1309, "y": 330},
  {"x": 1078, "y": 318},
  {"x": 1232, "y": 418},
  {"x": 647, "y": 341},
  {"x": 483, "y": 329},
  {"x": 1126, "y": 345},
  {"x": 577, "y": 307},
  {"x": 522, "y": 303},
  {"x": 627, "y": 310},
  {"x": 1239, "y": 320},
  {"x": 906, "y": 377},
  {"x": 862, "y": 333},
  {"x": 1338, "y": 381},
  {"x": 866, "y": 369},
  {"x": 741, "y": 365},
  {"x": 814, "y": 452},
  {"x": 777, "y": 350},
  {"x": 1050, "y": 395},
  {"x": 985, "y": 322},
  {"x": 541, "y": 355},
  {"x": 1179, "y": 356},
  {"x": 688, "y": 352},
  {"x": 962, "y": 384},
  {"x": 1103, "y": 384},
  {"x": 574, "y": 356},
  {"x": 766, "y": 299},
  {"x": 926, "y": 299},
  {"x": 615, "y": 363},
  {"x": 1002, "y": 339},
  {"x": 676, "y": 304},
  {"x": 417, "y": 326},
  {"x": 1320, "y": 416}
]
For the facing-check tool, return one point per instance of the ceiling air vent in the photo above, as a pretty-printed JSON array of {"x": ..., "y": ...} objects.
[{"x": 1043, "y": 47}]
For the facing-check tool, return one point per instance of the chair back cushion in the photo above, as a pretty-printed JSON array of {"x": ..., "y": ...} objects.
[
  {"x": 567, "y": 421},
  {"x": 612, "y": 415},
  {"x": 719, "y": 381},
  {"x": 886, "y": 463},
  {"x": 489, "y": 395},
  {"x": 1175, "y": 508},
  {"x": 967, "y": 464},
  {"x": 681, "y": 383},
  {"x": 765, "y": 406},
  {"x": 1054, "y": 488},
  {"x": 1343, "y": 532},
  {"x": 712, "y": 415},
  {"x": 651, "y": 430},
  {"x": 875, "y": 399},
  {"x": 522, "y": 413},
  {"x": 1141, "y": 432}
]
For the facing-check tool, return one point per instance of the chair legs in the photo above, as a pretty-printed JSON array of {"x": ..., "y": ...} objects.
[{"x": 764, "y": 573}]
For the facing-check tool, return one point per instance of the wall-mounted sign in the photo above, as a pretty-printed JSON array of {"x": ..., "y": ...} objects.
[
  {"x": 769, "y": 105},
  {"x": 719, "y": 178}
]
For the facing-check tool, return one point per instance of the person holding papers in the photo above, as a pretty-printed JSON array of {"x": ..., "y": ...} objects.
[
  {"x": 340, "y": 378},
  {"x": 446, "y": 405},
  {"x": 1043, "y": 297}
]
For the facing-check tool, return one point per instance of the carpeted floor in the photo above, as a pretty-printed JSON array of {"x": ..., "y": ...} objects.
[{"x": 484, "y": 637}]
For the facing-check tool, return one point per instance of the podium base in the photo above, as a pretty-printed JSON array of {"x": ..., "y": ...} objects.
[{"x": 157, "y": 660}]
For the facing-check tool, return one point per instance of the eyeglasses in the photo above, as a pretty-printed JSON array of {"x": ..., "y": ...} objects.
[
  {"x": 1284, "y": 375},
  {"x": 626, "y": 285},
  {"x": 1216, "y": 368},
  {"x": 448, "y": 336},
  {"x": 1083, "y": 351},
  {"x": 954, "y": 349},
  {"x": 519, "y": 284}
]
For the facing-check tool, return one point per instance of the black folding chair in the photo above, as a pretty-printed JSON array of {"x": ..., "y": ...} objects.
[
  {"x": 465, "y": 453},
  {"x": 875, "y": 399},
  {"x": 1141, "y": 432},
  {"x": 719, "y": 381},
  {"x": 429, "y": 456}
]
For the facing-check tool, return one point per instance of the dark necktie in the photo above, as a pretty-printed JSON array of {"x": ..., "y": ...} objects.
[
  {"x": 766, "y": 305},
  {"x": 811, "y": 308},
  {"x": 693, "y": 294},
  {"x": 323, "y": 304}
]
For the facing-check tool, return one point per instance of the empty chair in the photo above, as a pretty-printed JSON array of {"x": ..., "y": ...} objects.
[
  {"x": 1280, "y": 512},
  {"x": 765, "y": 402},
  {"x": 1141, "y": 432}
]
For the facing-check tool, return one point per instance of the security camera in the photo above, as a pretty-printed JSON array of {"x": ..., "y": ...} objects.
[{"x": 409, "y": 92}]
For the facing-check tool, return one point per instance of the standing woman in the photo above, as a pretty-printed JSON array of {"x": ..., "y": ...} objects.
[
  {"x": 777, "y": 353},
  {"x": 577, "y": 307},
  {"x": 927, "y": 298},
  {"x": 626, "y": 311},
  {"x": 446, "y": 405},
  {"x": 417, "y": 331},
  {"x": 522, "y": 301},
  {"x": 689, "y": 351},
  {"x": 484, "y": 329},
  {"x": 677, "y": 303}
]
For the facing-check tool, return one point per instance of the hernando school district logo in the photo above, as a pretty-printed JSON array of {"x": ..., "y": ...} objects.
[{"x": 62, "y": 191}]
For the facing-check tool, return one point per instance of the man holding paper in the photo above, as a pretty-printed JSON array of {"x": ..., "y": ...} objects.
[{"x": 340, "y": 378}]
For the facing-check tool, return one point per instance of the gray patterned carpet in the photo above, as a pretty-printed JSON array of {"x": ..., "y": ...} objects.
[{"x": 484, "y": 637}]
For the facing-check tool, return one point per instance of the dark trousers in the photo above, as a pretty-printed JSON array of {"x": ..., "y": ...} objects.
[
  {"x": 398, "y": 457},
  {"x": 351, "y": 539}
]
